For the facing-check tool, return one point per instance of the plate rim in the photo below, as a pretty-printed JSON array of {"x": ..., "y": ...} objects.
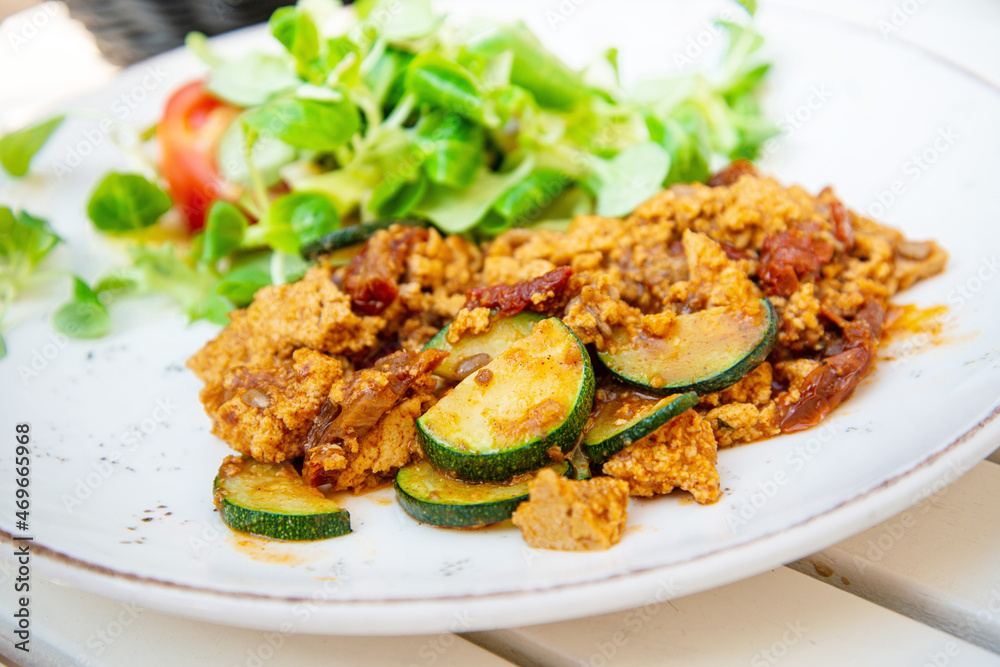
[{"x": 369, "y": 616}]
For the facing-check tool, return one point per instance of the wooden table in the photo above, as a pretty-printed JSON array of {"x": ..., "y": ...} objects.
[{"x": 922, "y": 588}]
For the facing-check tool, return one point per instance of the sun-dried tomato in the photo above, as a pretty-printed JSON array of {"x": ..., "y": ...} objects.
[
  {"x": 788, "y": 256},
  {"x": 842, "y": 228},
  {"x": 732, "y": 172},
  {"x": 372, "y": 277},
  {"x": 369, "y": 394},
  {"x": 835, "y": 380},
  {"x": 539, "y": 294},
  {"x": 734, "y": 253}
]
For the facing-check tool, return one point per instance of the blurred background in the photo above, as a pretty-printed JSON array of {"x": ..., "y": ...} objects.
[{"x": 127, "y": 31}]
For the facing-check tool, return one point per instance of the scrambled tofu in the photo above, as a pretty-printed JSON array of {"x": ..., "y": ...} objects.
[
  {"x": 367, "y": 429},
  {"x": 330, "y": 368},
  {"x": 680, "y": 454},
  {"x": 567, "y": 515},
  {"x": 311, "y": 313},
  {"x": 265, "y": 411},
  {"x": 360, "y": 464}
]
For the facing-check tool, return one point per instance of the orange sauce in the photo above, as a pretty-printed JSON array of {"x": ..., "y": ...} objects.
[
  {"x": 266, "y": 550},
  {"x": 909, "y": 319}
]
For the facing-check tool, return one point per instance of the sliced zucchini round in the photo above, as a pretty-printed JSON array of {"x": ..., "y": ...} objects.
[
  {"x": 473, "y": 352},
  {"x": 270, "y": 499},
  {"x": 625, "y": 416},
  {"x": 352, "y": 235},
  {"x": 708, "y": 351},
  {"x": 502, "y": 420},
  {"x": 430, "y": 496}
]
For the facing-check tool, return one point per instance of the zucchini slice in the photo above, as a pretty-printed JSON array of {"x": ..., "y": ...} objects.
[
  {"x": 502, "y": 420},
  {"x": 471, "y": 353},
  {"x": 709, "y": 350},
  {"x": 351, "y": 235},
  {"x": 430, "y": 496},
  {"x": 270, "y": 499},
  {"x": 623, "y": 415}
]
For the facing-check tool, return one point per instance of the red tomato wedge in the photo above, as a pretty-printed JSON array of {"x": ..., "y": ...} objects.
[{"x": 188, "y": 134}]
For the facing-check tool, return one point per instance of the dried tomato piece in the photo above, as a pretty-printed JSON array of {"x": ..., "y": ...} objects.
[
  {"x": 842, "y": 228},
  {"x": 370, "y": 393},
  {"x": 539, "y": 294},
  {"x": 830, "y": 384},
  {"x": 734, "y": 253},
  {"x": 788, "y": 256},
  {"x": 372, "y": 277},
  {"x": 732, "y": 172}
]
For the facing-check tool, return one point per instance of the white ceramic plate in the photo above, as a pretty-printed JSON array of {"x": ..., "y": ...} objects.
[{"x": 124, "y": 459}]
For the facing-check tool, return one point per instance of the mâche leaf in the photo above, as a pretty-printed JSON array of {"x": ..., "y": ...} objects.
[
  {"x": 83, "y": 316},
  {"x": 17, "y": 148},
  {"x": 224, "y": 230},
  {"x": 297, "y": 219},
  {"x": 307, "y": 123},
  {"x": 628, "y": 179},
  {"x": 126, "y": 203}
]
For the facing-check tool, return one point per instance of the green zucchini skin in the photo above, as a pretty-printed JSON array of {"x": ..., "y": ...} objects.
[
  {"x": 710, "y": 379},
  {"x": 314, "y": 518},
  {"x": 486, "y": 503},
  {"x": 501, "y": 334},
  {"x": 495, "y": 466},
  {"x": 352, "y": 235},
  {"x": 600, "y": 449}
]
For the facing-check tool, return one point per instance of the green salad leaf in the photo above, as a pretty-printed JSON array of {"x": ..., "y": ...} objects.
[
  {"x": 628, "y": 179},
  {"x": 526, "y": 199},
  {"x": 534, "y": 68},
  {"x": 127, "y": 203},
  {"x": 17, "y": 148},
  {"x": 225, "y": 226},
  {"x": 242, "y": 283},
  {"x": 24, "y": 242},
  {"x": 316, "y": 124},
  {"x": 83, "y": 316},
  {"x": 297, "y": 219},
  {"x": 474, "y": 128},
  {"x": 252, "y": 80}
]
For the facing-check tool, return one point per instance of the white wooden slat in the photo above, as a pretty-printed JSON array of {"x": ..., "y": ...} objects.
[
  {"x": 938, "y": 562},
  {"x": 777, "y": 617},
  {"x": 70, "y": 627}
]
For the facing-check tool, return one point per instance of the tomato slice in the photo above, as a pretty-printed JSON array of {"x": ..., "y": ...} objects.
[{"x": 188, "y": 134}]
